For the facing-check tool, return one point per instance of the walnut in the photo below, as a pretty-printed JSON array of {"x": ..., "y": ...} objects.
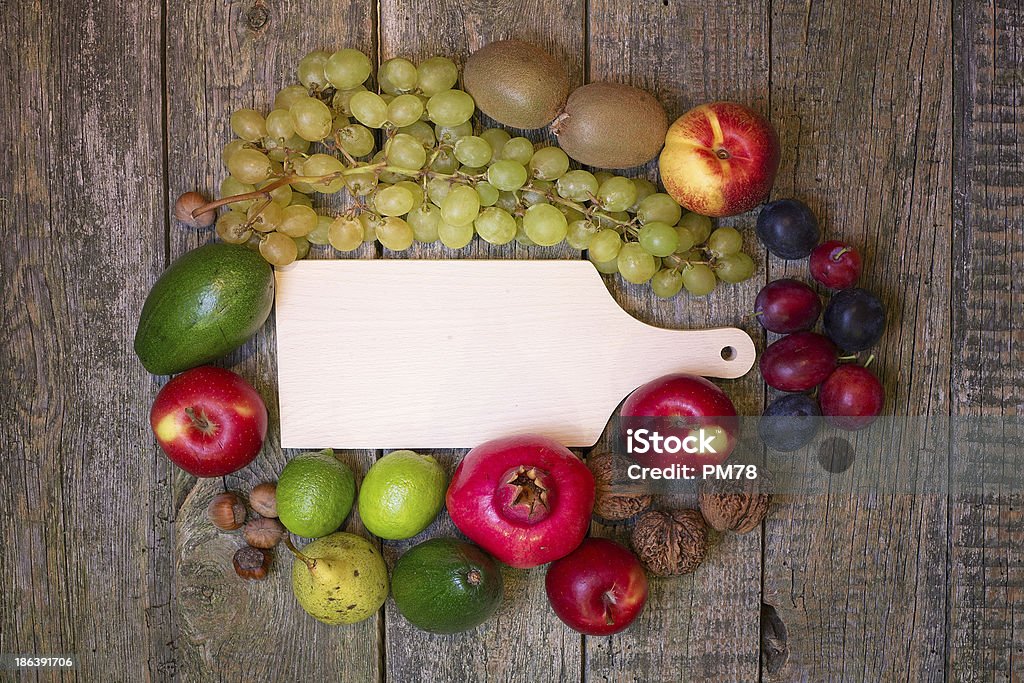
[
  {"x": 737, "y": 506},
  {"x": 673, "y": 542},
  {"x": 612, "y": 502}
]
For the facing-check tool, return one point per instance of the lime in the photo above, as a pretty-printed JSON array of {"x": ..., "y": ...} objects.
[
  {"x": 401, "y": 494},
  {"x": 315, "y": 493}
]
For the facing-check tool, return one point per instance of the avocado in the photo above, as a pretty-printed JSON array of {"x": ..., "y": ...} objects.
[{"x": 207, "y": 303}]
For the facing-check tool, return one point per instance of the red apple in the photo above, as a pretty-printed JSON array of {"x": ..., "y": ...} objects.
[
  {"x": 597, "y": 589},
  {"x": 209, "y": 421},
  {"x": 720, "y": 159},
  {"x": 681, "y": 405}
]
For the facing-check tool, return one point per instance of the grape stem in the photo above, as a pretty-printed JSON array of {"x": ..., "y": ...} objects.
[{"x": 245, "y": 196}]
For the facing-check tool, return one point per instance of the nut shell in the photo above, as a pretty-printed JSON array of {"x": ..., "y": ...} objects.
[
  {"x": 263, "y": 532},
  {"x": 737, "y": 506},
  {"x": 251, "y": 563},
  {"x": 226, "y": 511},
  {"x": 670, "y": 543},
  {"x": 611, "y": 502},
  {"x": 263, "y": 499}
]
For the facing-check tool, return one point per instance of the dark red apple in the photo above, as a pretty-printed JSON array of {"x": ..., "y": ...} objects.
[
  {"x": 851, "y": 398},
  {"x": 720, "y": 159},
  {"x": 209, "y": 421},
  {"x": 598, "y": 589}
]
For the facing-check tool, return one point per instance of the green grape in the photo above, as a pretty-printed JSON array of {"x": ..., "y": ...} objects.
[
  {"x": 279, "y": 125},
  {"x": 339, "y": 122},
  {"x": 496, "y": 138},
  {"x": 320, "y": 232},
  {"x": 605, "y": 245},
  {"x": 658, "y": 207},
  {"x": 264, "y": 217},
  {"x": 232, "y": 228},
  {"x": 537, "y": 193},
  {"x": 297, "y": 220},
  {"x": 288, "y": 95},
  {"x": 345, "y": 69},
  {"x": 488, "y": 193},
  {"x": 386, "y": 176},
  {"x": 544, "y": 224},
  {"x": 361, "y": 184},
  {"x": 296, "y": 143},
  {"x": 507, "y": 175},
  {"x": 603, "y": 176},
  {"x": 229, "y": 187},
  {"x": 461, "y": 206},
  {"x": 699, "y": 225},
  {"x": 438, "y": 189},
  {"x": 424, "y": 221},
  {"x": 393, "y": 201},
  {"x": 607, "y": 267},
  {"x": 521, "y": 236},
  {"x": 549, "y": 163},
  {"x": 570, "y": 213},
  {"x": 452, "y": 134},
  {"x": 405, "y": 151},
  {"x": 369, "y": 108},
  {"x": 635, "y": 264},
  {"x": 518, "y": 149},
  {"x": 345, "y": 234},
  {"x": 356, "y": 140},
  {"x": 579, "y": 233},
  {"x": 455, "y": 236},
  {"x": 311, "y": 118},
  {"x": 450, "y": 107},
  {"x": 414, "y": 189},
  {"x": 370, "y": 222},
  {"x": 644, "y": 188},
  {"x": 658, "y": 239},
  {"x": 231, "y": 148},
  {"x": 507, "y": 201},
  {"x": 445, "y": 162},
  {"x": 397, "y": 76},
  {"x": 725, "y": 242},
  {"x": 322, "y": 165},
  {"x": 734, "y": 268},
  {"x": 471, "y": 170},
  {"x": 278, "y": 249},
  {"x": 301, "y": 247},
  {"x": 395, "y": 234},
  {"x": 667, "y": 283},
  {"x": 250, "y": 166},
  {"x": 435, "y": 75},
  {"x": 311, "y": 70},
  {"x": 473, "y": 151},
  {"x": 254, "y": 241},
  {"x": 577, "y": 185},
  {"x": 249, "y": 125},
  {"x": 342, "y": 100},
  {"x": 299, "y": 199},
  {"x": 698, "y": 279},
  {"x": 616, "y": 194},
  {"x": 405, "y": 110},
  {"x": 686, "y": 239},
  {"x": 612, "y": 219},
  {"x": 495, "y": 226},
  {"x": 422, "y": 131}
]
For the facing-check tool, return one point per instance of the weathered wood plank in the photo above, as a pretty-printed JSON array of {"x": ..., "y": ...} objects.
[
  {"x": 986, "y": 622},
  {"x": 223, "y": 57},
  {"x": 713, "y": 614},
  {"x": 82, "y": 220},
  {"x": 525, "y": 624},
  {"x": 861, "y": 96}
]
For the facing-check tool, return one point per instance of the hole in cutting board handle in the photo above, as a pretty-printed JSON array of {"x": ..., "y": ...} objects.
[{"x": 728, "y": 353}]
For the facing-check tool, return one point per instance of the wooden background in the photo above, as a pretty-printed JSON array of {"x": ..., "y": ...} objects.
[{"x": 900, "y": 127}]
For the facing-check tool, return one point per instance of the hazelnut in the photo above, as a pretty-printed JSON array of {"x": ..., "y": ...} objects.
[
  {"x": 673, "y": 542},
  {"x": 227, "y": 511},
  {"x": 263, "y": 499},
  {"x": 737, "y": 506},
  {"x": 251, "y": 563},
  {"x": 263, "y": 532},
  {"x": 611, "y": 502}
]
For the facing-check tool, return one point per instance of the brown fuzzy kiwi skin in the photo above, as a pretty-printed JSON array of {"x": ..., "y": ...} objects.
[
  {"x": 517, "y": 84},
  {"x": 610, "y": 125}
]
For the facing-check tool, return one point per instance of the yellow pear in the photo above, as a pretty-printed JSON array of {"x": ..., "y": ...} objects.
[{"x": 340, "y": 578}]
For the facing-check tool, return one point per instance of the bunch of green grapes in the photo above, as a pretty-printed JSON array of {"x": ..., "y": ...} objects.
[{"x": 436, "y": 179}]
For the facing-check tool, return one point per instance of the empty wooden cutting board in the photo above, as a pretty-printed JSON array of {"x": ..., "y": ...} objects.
[{"x": 432, "y": 354}]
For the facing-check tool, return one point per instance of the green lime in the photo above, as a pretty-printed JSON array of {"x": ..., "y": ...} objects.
[
  {"x": 445, "y": 585},
  {"x": 401, "y": 495},
  {"x": 315, "y": 493}
]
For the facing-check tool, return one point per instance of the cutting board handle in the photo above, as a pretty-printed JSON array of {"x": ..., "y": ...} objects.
[{"x": 724, "y": 352}]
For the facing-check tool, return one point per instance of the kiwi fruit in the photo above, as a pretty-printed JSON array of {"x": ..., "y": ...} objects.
[
  {"x": 515, "y": 83},
  {"x": 610, "y": 125}
]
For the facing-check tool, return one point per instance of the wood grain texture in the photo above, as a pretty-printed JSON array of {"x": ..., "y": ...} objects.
[
  {"x": 222, "y": 57},
  {"x": 698, "y": 53},
  {"x": 525, "y": 626},
  {"x": 861, "y": 96},
  {"x": 986, "y": 619},
  {"x": 81, "y": 217}
]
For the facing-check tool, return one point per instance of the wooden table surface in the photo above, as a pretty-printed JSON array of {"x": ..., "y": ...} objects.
[{"x": 900, "y": 127}]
